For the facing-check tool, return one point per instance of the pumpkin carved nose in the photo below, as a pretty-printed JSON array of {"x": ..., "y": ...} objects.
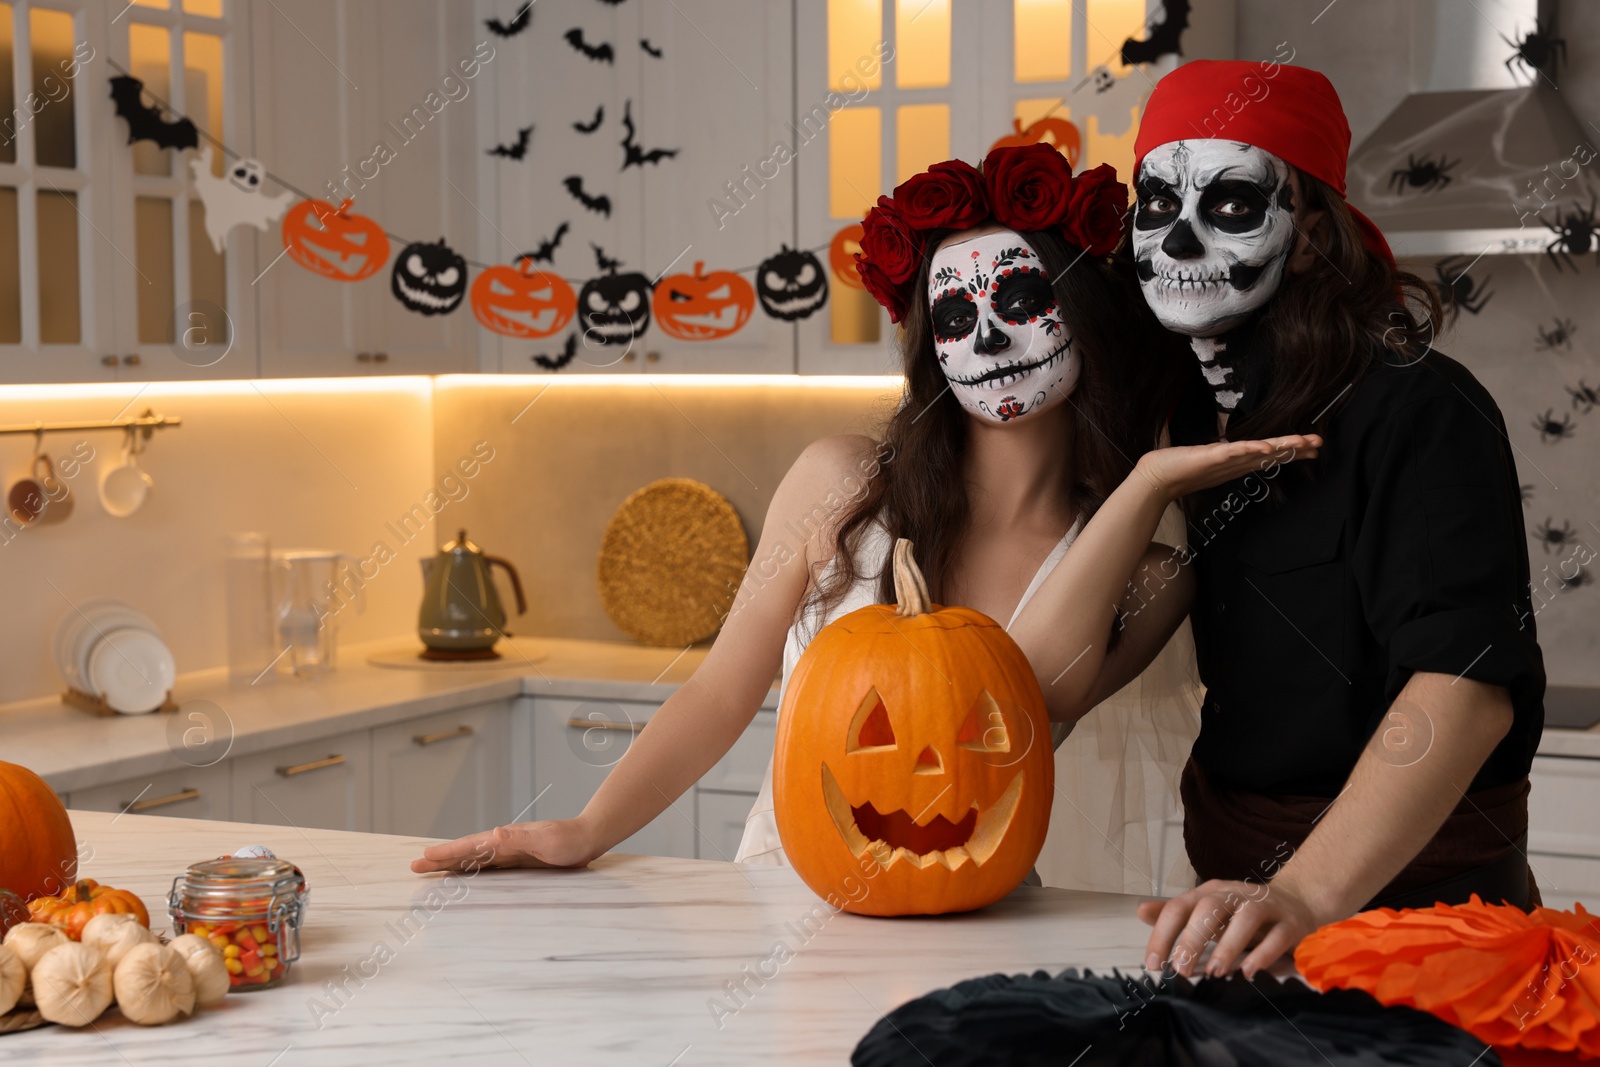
[{"x": 928, "y": 762}]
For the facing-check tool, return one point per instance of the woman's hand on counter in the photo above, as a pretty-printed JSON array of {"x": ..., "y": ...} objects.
[
  {"x": 1237, "y": 916},
  {"x": 549, "y": 843}
]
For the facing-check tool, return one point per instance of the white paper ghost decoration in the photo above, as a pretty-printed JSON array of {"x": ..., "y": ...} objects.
[{"x": 235, "y": 199}]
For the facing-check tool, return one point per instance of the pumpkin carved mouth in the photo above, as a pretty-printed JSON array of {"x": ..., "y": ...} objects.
[{"x": 895, "y": 836}]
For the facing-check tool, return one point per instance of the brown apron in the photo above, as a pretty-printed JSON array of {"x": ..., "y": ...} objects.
[{"x": 1481, "y": 848}]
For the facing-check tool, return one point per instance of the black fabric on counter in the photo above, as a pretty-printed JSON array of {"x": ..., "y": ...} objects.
[
  {"x": 1125, "y": 1021},
  {"x": 1321, "y": 590}
]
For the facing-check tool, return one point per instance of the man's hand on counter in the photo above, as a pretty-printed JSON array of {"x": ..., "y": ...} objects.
[
  {"x": 550, "y": 843},
  {"x": 1236, "y": 915}
]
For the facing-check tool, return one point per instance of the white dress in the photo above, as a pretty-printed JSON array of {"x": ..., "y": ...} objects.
[{"x": 760, "y": 843}]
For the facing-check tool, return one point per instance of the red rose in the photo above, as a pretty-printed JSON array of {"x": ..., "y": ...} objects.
[
  {"x": 889, "y": 243},
  {"x": 1029, "y": 187},
  {"x": 1098, "y": 214},
  {"x": 883, "y": 290},
  {"x": 948, "y": 194}
]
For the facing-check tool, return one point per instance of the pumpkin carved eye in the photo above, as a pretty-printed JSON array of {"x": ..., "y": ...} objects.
[
  {"x": 870, "y": 730},
  {"x": 985, "y": 728}
]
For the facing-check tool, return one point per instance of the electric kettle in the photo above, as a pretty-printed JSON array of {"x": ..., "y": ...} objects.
[{"x": 461, "y": 616}]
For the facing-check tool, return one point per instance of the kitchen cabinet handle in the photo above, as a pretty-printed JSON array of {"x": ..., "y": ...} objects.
[
  {"x": 136, "y": 806},
  {"x": 430, "y": 739},
  {"x": 314, "y": 765},
  {"x": 605, "y": 724}
]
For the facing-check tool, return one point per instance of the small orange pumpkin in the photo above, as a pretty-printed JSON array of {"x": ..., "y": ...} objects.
[
  {"x": 842, "y": 255},
  {"x": 701, "y": 306},
  {"x": 519, "y": 301},
  {"x": 72, "y": 910},
  {"x": 1059, "y": 133},
  {"x": 38, "y": 852},
  {"x": 914, "y": 769},
  {"x": 330, "y": 241}
]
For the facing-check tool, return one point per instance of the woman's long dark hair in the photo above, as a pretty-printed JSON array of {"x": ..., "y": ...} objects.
[
  {"x": 1324, "y": 328},
  {"x": 1118, "y": 407}
]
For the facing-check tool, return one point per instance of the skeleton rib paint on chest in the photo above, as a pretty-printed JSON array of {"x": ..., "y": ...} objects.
[
  {"x": 1213, "y": 233},
  {"x": 997, "y": 328}
]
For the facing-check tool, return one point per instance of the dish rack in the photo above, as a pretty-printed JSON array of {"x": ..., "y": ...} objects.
[{"x": 97, "y": 706}]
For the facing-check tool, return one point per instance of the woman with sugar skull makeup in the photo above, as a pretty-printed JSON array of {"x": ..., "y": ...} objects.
[
  {"x": 1363, "y": 623},
  {"x": 1033, "y": 382}
]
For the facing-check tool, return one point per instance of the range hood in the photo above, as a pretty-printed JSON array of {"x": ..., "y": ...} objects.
[{"x": 1514, "y": 157}]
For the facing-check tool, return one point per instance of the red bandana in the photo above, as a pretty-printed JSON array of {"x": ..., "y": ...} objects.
[{"x": 1291, "y": 112}]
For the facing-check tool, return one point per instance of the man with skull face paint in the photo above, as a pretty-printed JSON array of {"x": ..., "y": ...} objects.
[{"x": 1362, "y": 624}]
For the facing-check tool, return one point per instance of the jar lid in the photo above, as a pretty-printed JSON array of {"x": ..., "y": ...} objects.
[{"x": 232, "y": 877}]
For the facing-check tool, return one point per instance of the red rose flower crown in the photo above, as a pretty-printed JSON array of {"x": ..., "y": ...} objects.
[{"x": 1024, "y": 189}]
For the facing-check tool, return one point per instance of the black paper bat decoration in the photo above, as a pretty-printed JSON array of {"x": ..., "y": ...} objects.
[
  {"x": 600, "y": 204},
  {"x": 569, "y": 350},
  {"x": 1164, "y": 38},
  {"x": 594, "y": 123},
  {"x": 600, "y": 53},
  {"x": 655, "y": 53},
  {"x": 546, "y": 252},
  {"x": 145, "y": 122},
  {"x": 516, "y": 150},
  {"x": 518, "y": 23},
  {"x": 613, "y": 3},
  {"x": 603, "y": 261},
  {"x": 632, "y": 155}
]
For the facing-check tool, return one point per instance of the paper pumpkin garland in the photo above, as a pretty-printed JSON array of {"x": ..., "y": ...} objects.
[
  {"x": 1058, "y": 133},
  {"x": 519, "y": 301},
  {"x": 614, "y": 309},
  {"x": 429, "y": 279},
  {"x": 701, "y": 306},
  {"x": 236, "y": 198},
  {"x": 1529, "y": 980},
  {"x": 842, "y": 255},
  {"x": 145, "y": 123},
  {"x": 791, "y": 284},
  {"x": 334, "y": 243}
]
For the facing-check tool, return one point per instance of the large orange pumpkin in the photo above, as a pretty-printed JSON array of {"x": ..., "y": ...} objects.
[
  {"x": 1058, "y": 133},
  {"x": 519, "y": 301},
  {"x": 72, "y": 910},
  {"x": 914, "y": 769},
  {"x": 701, "y": 306},
  {"x": 332, "y": 242},
  {"x": 38, "y": 853}
]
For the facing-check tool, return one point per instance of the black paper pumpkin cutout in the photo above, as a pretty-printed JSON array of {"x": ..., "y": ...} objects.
[
  {"x": 791, "y": 284},
  {"x": 614, "y": 309},
  {"x": 430, "y": 279}
]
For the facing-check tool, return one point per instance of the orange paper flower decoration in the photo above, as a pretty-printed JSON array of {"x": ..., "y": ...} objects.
[{"x": 1510, "y": 978}]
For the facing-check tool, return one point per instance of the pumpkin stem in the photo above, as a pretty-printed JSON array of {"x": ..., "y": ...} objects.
[{"x": 910, "y": 588}]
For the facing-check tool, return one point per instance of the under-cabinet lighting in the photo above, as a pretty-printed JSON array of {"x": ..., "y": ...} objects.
[
  {"x": 415, "y": 384},
  {"x": 803, "y": 381}
]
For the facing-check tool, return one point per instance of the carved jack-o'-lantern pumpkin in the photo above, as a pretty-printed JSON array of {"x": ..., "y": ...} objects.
[
  {"x": 914, "y": 768},
  {"x": 429, "y": 279},
  {"x": 791, "y": 284},
  {"x": 332, "y": 242},
  {"x": 1058, "y": 133},
  {"x": 522, "y": 302},
  {"x": 842, "y": 255},
  {"x": 701, "y": 306}
]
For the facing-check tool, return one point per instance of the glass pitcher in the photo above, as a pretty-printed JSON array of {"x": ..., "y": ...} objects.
[{"x": 312, "y": 591}]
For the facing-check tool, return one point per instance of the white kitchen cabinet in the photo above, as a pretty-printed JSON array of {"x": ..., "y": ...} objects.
[
  {"x": 745, "y": 765},
  {"x": 575, "y": 745},
  {"x": 192, "y": 793},
  {"x": 1563, "y": 833},
  {"x": 719, "y": 818},
  {"x": 1565, "y": 880},
  {"x": 325, "y": 783},
  {"x": 334, "y": 81},
  {"x": 444, "y": 775}
]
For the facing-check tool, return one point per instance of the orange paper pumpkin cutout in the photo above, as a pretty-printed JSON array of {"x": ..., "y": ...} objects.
[
  {"x": 519, "y": 301},
  {"x": 330, "y": 241},
  {"x": 1529, "y": 980},
  {"x": 1058, "y": 133},
  {"x": 842, "y": 255},
  {"x": 701, "y": 306}
]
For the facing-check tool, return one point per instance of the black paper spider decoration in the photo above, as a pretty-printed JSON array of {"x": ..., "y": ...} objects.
[
  {"x": 1552, "y": 536},
  {"x": 1456, "y": 288},
  {"x": 1584, "y": 396},
  {"x": 1427, "y": 173},
  {"x": 1580, "y": 578},
  {"x": 1552, "y": 429},
  {"x": 1558, "y": 335},
  {"x": 1575, "y": 234},
  {"x": 1536, "y": 51},
  {"x": 1525, "y": 491}
]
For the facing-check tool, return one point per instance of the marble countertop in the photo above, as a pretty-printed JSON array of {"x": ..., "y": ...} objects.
[
  {"x": 636, "y": 960},
  {"x": 71, "y": 749}
]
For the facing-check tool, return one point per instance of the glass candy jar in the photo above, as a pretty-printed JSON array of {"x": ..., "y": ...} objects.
[{"x": 251, "y": 909}]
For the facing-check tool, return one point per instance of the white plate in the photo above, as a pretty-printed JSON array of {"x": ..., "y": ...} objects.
[
  {"x": 133, "y": 669},
  {"x": 73, "y": 628},
  {"x": 96, "y": 619}
]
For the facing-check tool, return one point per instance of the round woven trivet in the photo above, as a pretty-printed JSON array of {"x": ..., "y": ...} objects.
[
  {"x": 671, "y": 561},
  {"x": 20, "y": 1019}
]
